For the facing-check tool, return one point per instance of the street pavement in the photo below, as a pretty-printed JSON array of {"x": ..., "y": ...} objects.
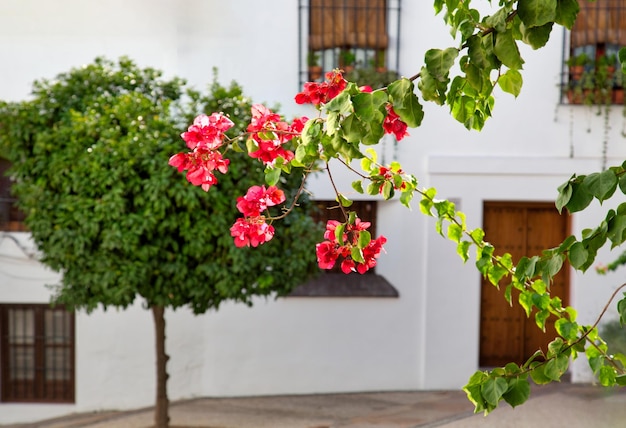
[{"x": 551, "y": 406}]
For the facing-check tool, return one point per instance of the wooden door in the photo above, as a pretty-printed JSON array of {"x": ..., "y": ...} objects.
[{"x": 521, "y": 229}]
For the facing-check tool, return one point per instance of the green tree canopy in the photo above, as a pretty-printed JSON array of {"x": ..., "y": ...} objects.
[{"x": 90, "y": 157}]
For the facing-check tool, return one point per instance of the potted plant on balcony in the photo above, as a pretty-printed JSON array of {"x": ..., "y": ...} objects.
[
  {"x": 370, "y": 76},
  {"x": 315, "y": 69},
  {"x": 579, "y": 79},
  {"x": 347, "y": 59}
]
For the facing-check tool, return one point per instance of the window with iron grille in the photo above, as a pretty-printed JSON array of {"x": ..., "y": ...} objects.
[
  {"x": 11, "y": 219},
  {"x": 36, "y": 353},
  {"x": 593, "y": 72},
  {"x": 346, "y": 34}
]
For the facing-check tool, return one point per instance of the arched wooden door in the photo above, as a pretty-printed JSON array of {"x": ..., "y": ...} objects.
[{"x": 521, "y": 229}]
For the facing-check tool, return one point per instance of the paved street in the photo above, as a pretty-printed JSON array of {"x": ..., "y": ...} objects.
[{"x": 552, "y": 406}]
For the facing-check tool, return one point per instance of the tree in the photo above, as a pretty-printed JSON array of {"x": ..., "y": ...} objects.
[
  {"x": 353, "y": 119},
  {"x": 89, "y": 154}
]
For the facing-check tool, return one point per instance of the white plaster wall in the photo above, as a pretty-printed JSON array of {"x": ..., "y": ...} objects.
[{"x": 305, "y": 345}]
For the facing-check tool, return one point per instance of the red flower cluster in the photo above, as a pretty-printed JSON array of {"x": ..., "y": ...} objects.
[
  {"x": 203, "y": 137},
  {"x": 388, "y": 175},
  {"x": 393, "y": 124},
  {"x": 319, "y": 93},
  {"x": 252, "y": 230},
  {"x": 330, "y": 250},
  {"x": 270, "y": 134}
]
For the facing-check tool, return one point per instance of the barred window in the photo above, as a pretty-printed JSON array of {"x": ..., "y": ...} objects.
[
  {"x": 36, "y": 353},
  {"x": 595, "y": 39},
  {"x": 11, "y": 219},
  {"x": 347, "y": 34}
]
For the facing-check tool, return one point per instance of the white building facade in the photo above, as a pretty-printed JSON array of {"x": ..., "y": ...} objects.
[{"x": 428, "y": 337}]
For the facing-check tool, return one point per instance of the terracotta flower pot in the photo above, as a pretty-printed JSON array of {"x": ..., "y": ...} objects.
[{"x": 315, "y": 72}]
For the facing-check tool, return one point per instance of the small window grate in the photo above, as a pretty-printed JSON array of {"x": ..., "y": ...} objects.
[
  {"x": 591, "y": 73},
  {"x": 346, "y": 34},
  {"x": 36, "y": 353}
]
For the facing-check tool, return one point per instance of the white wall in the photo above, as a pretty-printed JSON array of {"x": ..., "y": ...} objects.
[{"x": 300, "y": 345}]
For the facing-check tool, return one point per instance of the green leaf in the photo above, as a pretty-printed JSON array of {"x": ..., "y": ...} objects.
[
  {"x": 617, "y": 230},
  {"x": 511, "y": 82},
  {"x": 496, "y": 273},
  {"x": 622, "y": 59},
  {"x": 537, "y": 37},
  {"x": 566, "y": 12},
  {"x": 473, "y": 391},
  {"x": 411, "y": 111},
  {"x": 364, "y": 239},
  {"x": 438, "y": 62},
  {"x": 340, "y": 104},
  {"x": 540, "y": 319},
  {"x": 367, "y": 106},
  {"x": 432, "y": 89},
  {"x": 526, "y": 301},
  {"x": 345, "y": 202},
  {"x": 353, "y": 129},
  {"x": 567, "y": 329},
  {"x": 272, "y": 175},
  {"x": 565, "y": 194},
  {"x": 493, "y": 389},
  {"x": 607, "y": 376},
  {"x": 621, "y": 309},
  {"x": 578, "y": 255},
  {"x": 388, "y": 191},
  {"x": 506, "y": 50},
  {"x": 622, "y": 178},
  {"x": 535, "y": 13},
  {"x": 518, "y": 392},
  {"x": 602, "y": 185},
  {"x": 462, "y": 249},
  {"x": 538, "y": 374},
  {"x": 455, "y": 233},
  {"x": 463, "y": 109},
  {"x": 525, "y": 268},
  {"x": 580, "y": 198},
  {"x": 479, "y": 55},
  {"x": 358, "y": 186},
  {"x": 357, "y": 255},
  {"x": 556, "y": 367},
  {"x": 339, "y": 233}
]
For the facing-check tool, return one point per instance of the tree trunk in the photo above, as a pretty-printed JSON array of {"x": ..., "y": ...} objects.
[{"x": 161, "y": 408}]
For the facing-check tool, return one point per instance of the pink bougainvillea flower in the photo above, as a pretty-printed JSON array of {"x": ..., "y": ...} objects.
[
  {"x": 329, "y": 251},
  {"x": 269, "y": 134},
  {"x": 207, "y": 132},
  {"x": 200, "y": 165},
  {"x": 204, "y": 137},
  {"x": 258, "y": 198},
  {"x": 251, "y": 231},
  {"x": 326, "y": 254},
  {"x": 393, "y": 124},
  {"x": 320, "y": 93}
]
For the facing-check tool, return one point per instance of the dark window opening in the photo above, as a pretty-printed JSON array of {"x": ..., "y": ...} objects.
[
  {"x": 347, "y": 34},
  {"x": 335, "y": 283},
  {"x": 11, "y": 218},
  {"x": 593, "y": 74},
  {"x": 36, "y": 353},
  {"x": 329, "y": 210}
]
